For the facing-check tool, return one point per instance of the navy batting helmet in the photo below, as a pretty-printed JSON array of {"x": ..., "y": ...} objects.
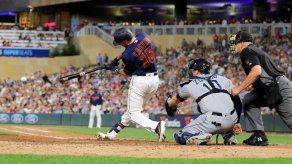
[
  {"x": 121, "y": 35},
  {"x": 199, "y": 64}
]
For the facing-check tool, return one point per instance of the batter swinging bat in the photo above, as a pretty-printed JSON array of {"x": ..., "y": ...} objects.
[{"x": 80, "y": 74}]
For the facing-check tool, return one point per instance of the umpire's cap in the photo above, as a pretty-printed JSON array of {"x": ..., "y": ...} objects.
[
  {"x": 121, "y": 35},
  {"x": 199, "y": 64},
  {"x": 241, "y": 36}
]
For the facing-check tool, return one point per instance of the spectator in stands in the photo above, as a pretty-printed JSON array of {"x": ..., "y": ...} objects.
[
  {"x": 99, "y": 59},
  {"x": 285, "y": 31},
  {"x": 105, "y": 58},
  {"x": 184, "y": 43},
  {"x": 216, "y": 41},
  {"x": 199, "y": 42},
  {"x": 68, "y": 35}
]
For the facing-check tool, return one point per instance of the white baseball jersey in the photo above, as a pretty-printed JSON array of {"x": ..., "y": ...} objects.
[{"x": 215, "y": 102}]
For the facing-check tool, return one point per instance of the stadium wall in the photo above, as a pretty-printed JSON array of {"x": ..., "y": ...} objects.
[
  {"x": 90, "y": 47},
  {"x": 273, "y": 123},
  {"x": 17, "y": 67}
]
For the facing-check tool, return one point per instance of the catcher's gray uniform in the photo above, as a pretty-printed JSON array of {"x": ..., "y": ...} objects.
[{"x": 217, "y": 108}]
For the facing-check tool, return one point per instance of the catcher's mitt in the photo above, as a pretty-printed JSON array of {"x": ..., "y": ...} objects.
[
  {"x": 170, "y": 110},
  {"x": 237, "y": 129}
]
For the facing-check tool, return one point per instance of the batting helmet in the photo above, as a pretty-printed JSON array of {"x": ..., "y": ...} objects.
[
  {"x": 199, "y": 64},
  {"x": 121, "y": 35},
  {"x": 240, "y": 36}
]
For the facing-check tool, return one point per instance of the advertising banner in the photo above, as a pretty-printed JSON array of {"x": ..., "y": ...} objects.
[
  {"x": 179, "y": 121},
  {"x": 24, "y": 52}
]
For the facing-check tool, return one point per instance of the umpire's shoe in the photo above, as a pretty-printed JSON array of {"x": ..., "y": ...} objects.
[
  {"x": 258, "y": 138},
  {"x": 160, "y": 130}
]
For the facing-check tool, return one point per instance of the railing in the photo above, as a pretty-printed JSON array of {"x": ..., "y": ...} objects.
[
  {"x": 7, "y": 32},
  {"x": 203, "y": 29},
  {"x": 106, "y": 32},
  {"x": 94, "y": 30}
]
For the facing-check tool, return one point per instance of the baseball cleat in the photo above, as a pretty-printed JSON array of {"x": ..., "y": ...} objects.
[
  {"x": 258, "y": 138},
  {"x": 101, "y": 135},
  {"x": 108, "y": 136},
  {"x": 199, "y": 139},
  {"x": 160, "y": 130}
]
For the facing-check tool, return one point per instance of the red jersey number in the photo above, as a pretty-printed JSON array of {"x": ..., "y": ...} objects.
[{"x": 147, "y": 57}]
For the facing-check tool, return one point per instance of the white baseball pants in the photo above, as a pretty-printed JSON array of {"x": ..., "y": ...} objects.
[
  {"x": 95, "y": 111},
  {"x": 141, "y": 88}
]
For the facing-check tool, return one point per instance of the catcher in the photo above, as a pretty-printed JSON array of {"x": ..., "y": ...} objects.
[{"x": 219, "y": 110}]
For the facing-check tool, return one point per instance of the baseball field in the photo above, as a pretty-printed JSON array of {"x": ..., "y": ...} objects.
[{"x": 76, "y": 144}]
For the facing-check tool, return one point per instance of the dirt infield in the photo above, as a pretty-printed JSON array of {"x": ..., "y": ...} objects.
[{"x": 39, "y": 140}]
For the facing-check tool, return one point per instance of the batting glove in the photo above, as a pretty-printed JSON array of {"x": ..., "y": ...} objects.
[{"x": 116, "y": 70}]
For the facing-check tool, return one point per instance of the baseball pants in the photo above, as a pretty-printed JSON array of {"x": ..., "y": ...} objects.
[
  {"x": 141, "y": 88},
  {"x": 209, "y": 123},
  {"x": 252, "y": 112},
  {"x": 95, "y": 111}
]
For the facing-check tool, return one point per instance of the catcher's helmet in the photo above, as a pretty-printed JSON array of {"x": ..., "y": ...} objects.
[
  {"x": 199, "y": 64},
  {"x": 240, "y": 36},
  {"x": 121, "y": 35}
]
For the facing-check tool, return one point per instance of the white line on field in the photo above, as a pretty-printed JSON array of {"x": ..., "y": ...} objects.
[
  {"x": 55, "y": 137},
  {"x": 21, "y": 127}
]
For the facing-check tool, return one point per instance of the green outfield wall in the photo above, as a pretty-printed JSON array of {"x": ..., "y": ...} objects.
[{"x": 273, "y": 123}]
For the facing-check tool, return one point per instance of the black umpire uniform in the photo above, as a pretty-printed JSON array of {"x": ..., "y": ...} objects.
[{"x": 271, "y": 88}]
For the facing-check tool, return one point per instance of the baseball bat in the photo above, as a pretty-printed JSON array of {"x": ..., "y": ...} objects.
[{"x": 80, "y": 74}]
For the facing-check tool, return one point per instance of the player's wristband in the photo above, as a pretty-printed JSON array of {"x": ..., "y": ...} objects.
[{"x": 115, "y": 62}]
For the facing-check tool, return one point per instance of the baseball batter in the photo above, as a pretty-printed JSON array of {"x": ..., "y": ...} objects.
[
  {"x": 95, "y": 109},
  {"x": 139, "y": 63},
  {"x": 215, "y": 104}
]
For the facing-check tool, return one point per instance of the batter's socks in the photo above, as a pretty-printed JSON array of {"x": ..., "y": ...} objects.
[{"x": 117, "y": 128}]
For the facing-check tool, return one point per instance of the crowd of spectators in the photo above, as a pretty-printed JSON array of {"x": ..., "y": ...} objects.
[
  {"x": 14, "y": 36},
  {"x": 39, "y": 93},
  {"x": 223, "y": 22}
]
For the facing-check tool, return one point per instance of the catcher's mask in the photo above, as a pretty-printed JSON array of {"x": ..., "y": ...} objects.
[
  {"x": 199, "y": 64},
  {"x": 240, "y": 36}
]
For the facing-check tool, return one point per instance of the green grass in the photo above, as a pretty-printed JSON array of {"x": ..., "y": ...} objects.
[
  {"x": 44, "y": 159},
  {"x": 141, "y": 133},
  {"x": 4, "y": 132},
  {"x": 134, "y": 133}
]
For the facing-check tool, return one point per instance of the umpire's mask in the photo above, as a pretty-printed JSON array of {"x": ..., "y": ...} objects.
[
  {"x": 240, "y": 36},
  {"x": 232, "y": 43}
]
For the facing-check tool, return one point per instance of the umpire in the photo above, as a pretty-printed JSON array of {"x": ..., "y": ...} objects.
[{"x": 270, "y": 87}]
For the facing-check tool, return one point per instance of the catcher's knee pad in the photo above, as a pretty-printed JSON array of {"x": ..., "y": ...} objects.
[{"x": 182, "y": 137}]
